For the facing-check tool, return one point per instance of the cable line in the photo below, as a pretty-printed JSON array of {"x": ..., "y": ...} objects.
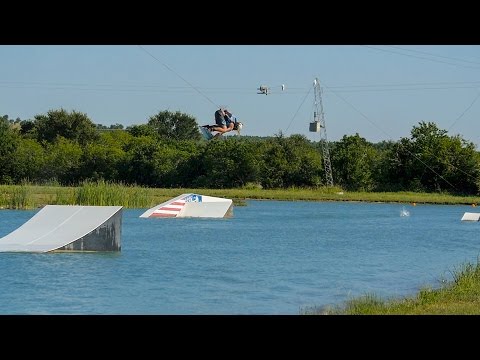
[
  {"x": 181, "y": 77},
  {"x": 463, "y": 113},
  {"x": 298, "y": 109},
  {"x": 430, "y": 54},
  {"x": 421, "y": 57},
  {"x": 412, "y": 154}
]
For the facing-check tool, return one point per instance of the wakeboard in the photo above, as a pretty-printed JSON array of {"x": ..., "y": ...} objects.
[{"x": 207, "y": 134}]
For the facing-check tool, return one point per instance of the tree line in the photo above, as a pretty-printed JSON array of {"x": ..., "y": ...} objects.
[{"x": 67, "y": 148}]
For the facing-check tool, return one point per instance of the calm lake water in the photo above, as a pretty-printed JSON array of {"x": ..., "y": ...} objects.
[{"x": 272, "y": 257}]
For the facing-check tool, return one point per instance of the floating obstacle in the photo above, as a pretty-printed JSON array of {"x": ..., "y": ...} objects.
[
  {"x": 68, "y": 228},
  {"x": 468, "y": 216},
  {"x": 192, "y": 205}
]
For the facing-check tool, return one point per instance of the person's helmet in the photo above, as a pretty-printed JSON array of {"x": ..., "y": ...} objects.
[{"x": 238, "y": 126}]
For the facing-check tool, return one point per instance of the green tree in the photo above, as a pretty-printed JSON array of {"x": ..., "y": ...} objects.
[
  {"x": 306, "y": 162},
  {"x": 175, "y": 125},
  {"x": 118, "y": 139},
  {"x": 247, "y": 157},
  {"x": 383, "y": 176},
  {"x": 139, "y": 163},
  {"x": 430, "y": 160},
  {"x": 27, "y": 129},
  {"x": 291, "y": 161},
  {"x": 62, "y": 161},
  {"x": 353, "y": 160},
  {"x": 8, "y": 144},
  {"x": 462, "y": 166},
  {"x": 141, "y": 130},
  {"x": 179, "y": 163},
  {"x": 101, "y": 162},
  {"x": 227, "y": 163},
  {"x": 29, "y": 161},
  {"x": 274, "y": 165},
  {"x": 106, "y": 158},
  {"x": 74, "y": 126}
]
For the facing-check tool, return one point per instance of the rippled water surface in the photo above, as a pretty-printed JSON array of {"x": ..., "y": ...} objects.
[{"x": 272, "y": 257}]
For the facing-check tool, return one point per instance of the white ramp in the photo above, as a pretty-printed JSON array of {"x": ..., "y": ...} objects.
[
  {"x": 68, "y": 228},
  {"x": 192, "y": 205},
  {"x": 468, "y": 216}
]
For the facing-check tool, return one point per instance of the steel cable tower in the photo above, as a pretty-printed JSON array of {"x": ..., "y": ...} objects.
[{"x": 318, "y": 125}]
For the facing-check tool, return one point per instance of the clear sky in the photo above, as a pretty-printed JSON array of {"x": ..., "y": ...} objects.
[{"x": 377, "y": 91}]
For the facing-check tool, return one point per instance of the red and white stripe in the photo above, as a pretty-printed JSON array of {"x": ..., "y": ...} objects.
[{"x": 169, "y": 210}]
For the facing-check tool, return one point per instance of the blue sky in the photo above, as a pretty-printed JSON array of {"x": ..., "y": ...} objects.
[{"x": 377, "y": 91}]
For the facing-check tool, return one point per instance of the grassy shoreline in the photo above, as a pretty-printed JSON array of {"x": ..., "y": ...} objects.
[{"x": 33, "y": 196}]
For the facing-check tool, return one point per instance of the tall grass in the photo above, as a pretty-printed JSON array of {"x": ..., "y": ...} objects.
[
  {"x": 102, "y": 193},
  {"x": 15, "y": 196},
  {"x": 63, "y": 196}
]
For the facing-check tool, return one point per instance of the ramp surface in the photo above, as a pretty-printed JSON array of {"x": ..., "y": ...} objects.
[
  {"x": 192, "y": 205},
  {"x": 67, "y": 228},
  {"x": 468, "y": 216}
]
